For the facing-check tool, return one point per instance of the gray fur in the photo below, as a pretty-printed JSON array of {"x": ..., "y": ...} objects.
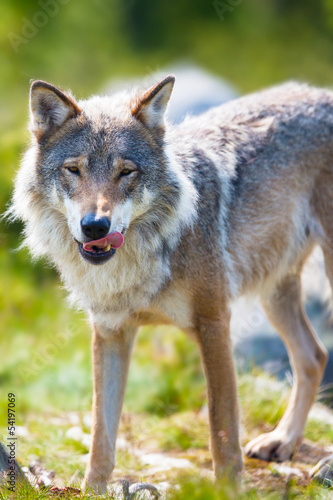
[{"x": 233, "y": 200}]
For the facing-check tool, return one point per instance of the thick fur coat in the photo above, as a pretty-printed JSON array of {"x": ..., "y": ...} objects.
[{"x": 227, "y": 203}]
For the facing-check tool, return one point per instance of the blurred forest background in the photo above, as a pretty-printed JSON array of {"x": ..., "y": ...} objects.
[{"x": 83, "y": 45}]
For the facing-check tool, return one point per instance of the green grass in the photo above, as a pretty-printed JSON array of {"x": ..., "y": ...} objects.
[
  {"x": 319, "y": 432},
  {"x": 182, "y": 435}
]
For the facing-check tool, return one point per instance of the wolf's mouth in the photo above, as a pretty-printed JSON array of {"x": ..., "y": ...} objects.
[{"x": 100, "y": 251}]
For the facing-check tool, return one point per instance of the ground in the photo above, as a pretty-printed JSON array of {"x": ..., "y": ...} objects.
[{"x": 172, "y": 452}]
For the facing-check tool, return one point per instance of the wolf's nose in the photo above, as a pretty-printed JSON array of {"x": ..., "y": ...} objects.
[{"x": 95, "y": 228}]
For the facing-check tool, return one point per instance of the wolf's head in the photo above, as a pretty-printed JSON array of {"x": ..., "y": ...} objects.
[{"x": 101, "y": 167}]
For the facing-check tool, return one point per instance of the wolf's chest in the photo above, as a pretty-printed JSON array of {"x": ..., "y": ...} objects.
[
  {"x": 134, "y": 290},
  {"x": 172, "y": 305},
  {"x": 116, "y": 290}
]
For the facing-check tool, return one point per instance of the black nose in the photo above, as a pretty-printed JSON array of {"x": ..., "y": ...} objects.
[{"x": 95, "y": 228}]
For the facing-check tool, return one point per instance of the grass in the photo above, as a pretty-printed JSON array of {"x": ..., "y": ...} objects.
[{"x": 180, "y": 435}]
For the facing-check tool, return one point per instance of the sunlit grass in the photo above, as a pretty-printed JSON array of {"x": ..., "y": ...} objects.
[{"x": 181, "y": 434}]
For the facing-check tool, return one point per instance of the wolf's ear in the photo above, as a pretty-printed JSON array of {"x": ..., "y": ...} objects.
[
  {"x": 151, "y": 106},
  {"x": 49, "y": 108}
]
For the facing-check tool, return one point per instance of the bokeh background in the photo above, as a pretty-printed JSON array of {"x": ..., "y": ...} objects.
[{"x": 87, "y": 45}]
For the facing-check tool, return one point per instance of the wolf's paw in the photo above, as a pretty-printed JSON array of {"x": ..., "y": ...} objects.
[
  {"x": 231, "y": 467},
  {"x": 323, "y": 471},
  {"x": 94, "y": 486},
  {"x": 273, "y": 446}
]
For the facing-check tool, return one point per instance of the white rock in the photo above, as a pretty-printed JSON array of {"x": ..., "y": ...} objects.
[
  {"x": 209, "y": 90},
  {"x": 21, "y": 431},
  {"x": 321, "y": 413},
  {"x": 86, "y": 440},
  {"x": 87, "y": 420},
  {"x": 84, "y": 458},
  {"x": 122, "y": 444},
  {"x": 285, "y": 470},
  {"x": 75, "y": 433},
  {"x": 163, "y": 463},
  {"x": 73, "y": 418}
]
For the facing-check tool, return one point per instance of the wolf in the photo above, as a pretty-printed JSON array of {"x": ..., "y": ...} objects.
[{"x": 150, "y": 223}]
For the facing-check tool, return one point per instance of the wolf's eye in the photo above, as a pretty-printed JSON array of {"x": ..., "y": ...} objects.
[
  {"x": 73, "y": 170},
  {"x": 125, "y": 171}
]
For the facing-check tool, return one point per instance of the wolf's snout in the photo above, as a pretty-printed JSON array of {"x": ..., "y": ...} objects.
[{"x": 95, "y": 228}]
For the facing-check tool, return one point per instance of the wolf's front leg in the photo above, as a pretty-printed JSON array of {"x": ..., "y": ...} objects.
[
  {"x": 216, "y": 353},
  {"x": 110, "y": 360}
]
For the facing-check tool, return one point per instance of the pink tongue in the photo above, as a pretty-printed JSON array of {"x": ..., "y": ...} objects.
[{"x": 115, "y": 240}]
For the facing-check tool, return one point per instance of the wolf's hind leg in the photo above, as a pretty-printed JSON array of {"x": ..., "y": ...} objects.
[
  {"x": 323, "y": 471},
  {"x": 308, "y": 357}
]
